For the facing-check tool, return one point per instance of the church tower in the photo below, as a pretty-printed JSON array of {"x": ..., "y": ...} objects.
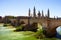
[
  {"x": 48, "y": 13},
  {"x": 29, "y": 12},
  {"x": 34, "y": 12}
]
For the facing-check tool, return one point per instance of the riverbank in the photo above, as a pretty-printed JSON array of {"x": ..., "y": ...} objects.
[{"x": 7, "y": 33}]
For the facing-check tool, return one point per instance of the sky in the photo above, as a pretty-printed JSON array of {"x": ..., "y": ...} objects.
[{"x": 21, "y": 7}]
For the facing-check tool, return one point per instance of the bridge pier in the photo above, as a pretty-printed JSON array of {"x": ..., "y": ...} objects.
[{"x": 50, "y": 32}]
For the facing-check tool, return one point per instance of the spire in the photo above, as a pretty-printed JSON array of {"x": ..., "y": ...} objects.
[
  {"x": 42, "y": 14},
  {"x": 34, "y": 12},
  {"x": 39, "y": 15},
  {"x": 29, "y": 12},
  {"x": 48, "y": 13}
]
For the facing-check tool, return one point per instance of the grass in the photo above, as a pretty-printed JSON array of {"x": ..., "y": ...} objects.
[
  {"x": 17, "y": 36},
  {"x": 50, "y": 39}
]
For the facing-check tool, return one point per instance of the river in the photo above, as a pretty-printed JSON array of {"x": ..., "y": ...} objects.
[{"x": 58, "y": 30}]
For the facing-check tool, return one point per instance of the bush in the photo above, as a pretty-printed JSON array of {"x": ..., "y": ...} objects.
[
  {"x": 39, "y": 34},
  {"x": 32, "y": 27},
  {"x": 4, "y": 25},
  {"x": 19, "y": 28}
]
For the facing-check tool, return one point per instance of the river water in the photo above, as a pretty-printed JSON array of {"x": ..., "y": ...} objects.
[{"x": 58, "y": 32}]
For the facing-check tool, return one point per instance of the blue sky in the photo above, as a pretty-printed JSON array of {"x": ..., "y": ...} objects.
[{"x": 20, "y": 7}]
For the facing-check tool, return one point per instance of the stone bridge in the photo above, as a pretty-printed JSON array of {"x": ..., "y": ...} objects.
[
  {"x": 52, "y": 25},
  {"x": 49, "y": 23}
]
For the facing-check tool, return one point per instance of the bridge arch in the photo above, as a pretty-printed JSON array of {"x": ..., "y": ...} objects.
[
  {"x": 52, "y": 31},
  {"x": 39, "y": 26},
  {"x": 58, "y": 29}
]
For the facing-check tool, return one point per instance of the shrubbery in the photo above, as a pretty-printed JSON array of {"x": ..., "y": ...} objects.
[
  {"x": 33, "y": 27},
  {"x": 19, "y": 28},
  {"x": 5, "y": 25},
  {"x": 39, "y": 34}
]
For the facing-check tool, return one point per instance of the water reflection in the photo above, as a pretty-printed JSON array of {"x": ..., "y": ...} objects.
[{"x": 58, "y": 33}]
